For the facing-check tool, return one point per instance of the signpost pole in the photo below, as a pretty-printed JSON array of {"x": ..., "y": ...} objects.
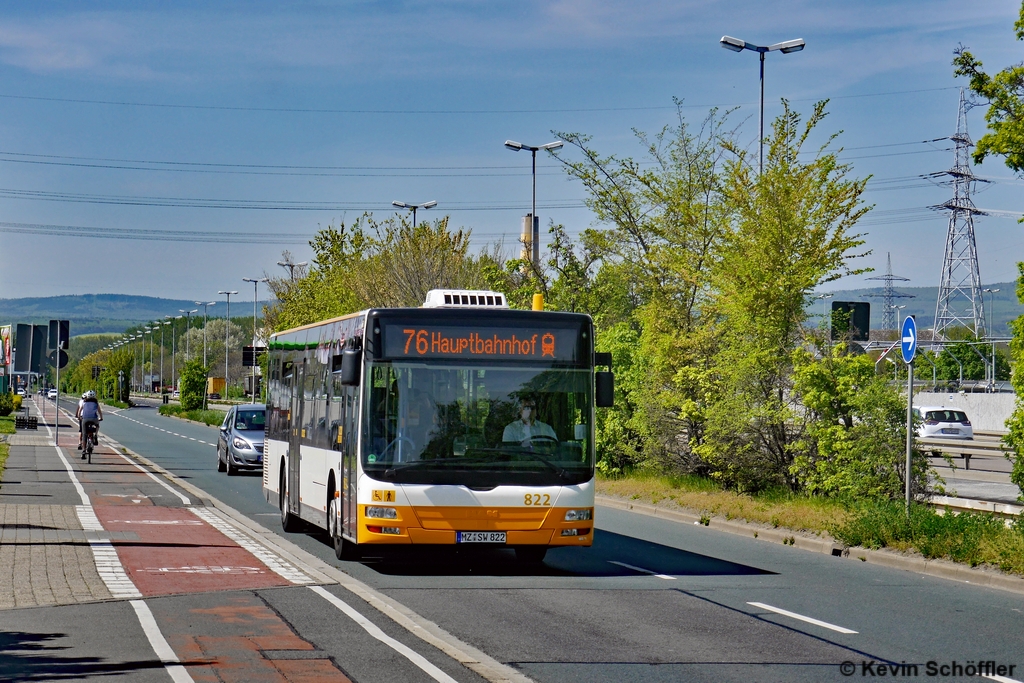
[
  {"x": 56, "y": 403},
  {"x": 908, "y": 347},
  {"x": 910, "y": 427}
]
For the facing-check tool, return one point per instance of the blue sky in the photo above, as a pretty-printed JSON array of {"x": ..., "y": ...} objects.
[{"x": 412, "y": 101}]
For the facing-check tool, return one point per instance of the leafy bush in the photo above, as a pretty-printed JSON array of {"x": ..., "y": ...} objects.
[
  {"x": 214, "y": 418},
  {"x": 17, "y": 402},
  {"x": 6, "y": 403},
  {"x": 973, "y": 538},
  {"x": 192, "y": 384}
]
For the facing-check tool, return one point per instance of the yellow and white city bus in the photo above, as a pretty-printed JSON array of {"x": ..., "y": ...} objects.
[{"x": 461, "y": 422}]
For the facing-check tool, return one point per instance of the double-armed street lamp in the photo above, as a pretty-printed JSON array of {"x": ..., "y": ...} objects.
[
  {"x": 412, "y": 207},
  {"x": 291, "y": 268},
  {"x": 551, "y": 147},
  {"x": 163, "y": 323},
  {"x": 188, "y": 319},
  {"x": 227, "y": 326},
  {"x": 206, "y": 305},
  {"x": 785, "y": 47},
  {"x": 255, "y": 295},
  {"x": 174, "y": 330}
]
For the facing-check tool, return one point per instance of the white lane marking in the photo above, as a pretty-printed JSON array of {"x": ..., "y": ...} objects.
[
  {"x": 277, "y": 564},
  {"x": 371, "y": 628},
  {"x": 1001, "y": 679},
  {"x": 110, "y": 569},
  {"x": 185, "y": 500},
  {"x": 205, "y": 569},
  {"x": 165, "y": 431},
  {"x": 71, "y": 472},
  {"x": 88, "y": 519},
  {"x": 794, "y": 615},
  {"x": 159, "y": 644},
  {"x": 643, "y": 571}
]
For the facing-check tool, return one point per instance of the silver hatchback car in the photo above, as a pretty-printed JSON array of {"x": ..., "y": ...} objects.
[
  {"x": 240, "y": 445},
  {"x": 938, "y": 422}
]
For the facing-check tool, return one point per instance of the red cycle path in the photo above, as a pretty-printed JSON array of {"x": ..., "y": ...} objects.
[{"x": 176, "y": 552}]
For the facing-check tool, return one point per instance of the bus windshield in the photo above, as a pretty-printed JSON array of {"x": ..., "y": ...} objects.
[{"x": 481, "y": 426}]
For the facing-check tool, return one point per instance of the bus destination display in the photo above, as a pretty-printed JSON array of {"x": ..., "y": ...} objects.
[{"x": 435, "y": 341}]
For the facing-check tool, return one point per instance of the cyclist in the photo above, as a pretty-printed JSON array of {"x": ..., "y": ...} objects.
[{"x": 88, "y": 412}]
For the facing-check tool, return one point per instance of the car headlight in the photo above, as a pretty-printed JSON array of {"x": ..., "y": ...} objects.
[
  {"x": 577, "y": 515},
  {"x": 241, "y": 443},
  {"x": 381, "y": 513}
]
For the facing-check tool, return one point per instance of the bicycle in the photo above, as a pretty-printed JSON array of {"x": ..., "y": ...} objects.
[{"x": 91, "y": 439}]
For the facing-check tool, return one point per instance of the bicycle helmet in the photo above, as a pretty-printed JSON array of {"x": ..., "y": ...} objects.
[{"x": 89, "y": 394}]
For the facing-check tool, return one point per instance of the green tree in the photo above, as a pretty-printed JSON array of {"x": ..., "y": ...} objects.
[
  {"x": 646, "y": 274},
  {"x": 1004, "y": 94},
  {"x": 790, "y": 231},
  {"x": 856, "y": 433},
  {"x": 192, "y": 384},
  {"x": 1015, "y": 424}
]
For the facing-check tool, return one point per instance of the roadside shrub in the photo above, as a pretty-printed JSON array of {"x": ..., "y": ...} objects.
[
  {"x": 17, "y": 401},
  {"x": 6, "y": 403},
  {"x": 192, "y": 384},
  {"x": 973, "y": 538}
]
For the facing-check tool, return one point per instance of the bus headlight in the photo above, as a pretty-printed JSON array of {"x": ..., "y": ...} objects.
[
  {"x": 577, "y": 515},
  {"x": 381, "y": 513}
]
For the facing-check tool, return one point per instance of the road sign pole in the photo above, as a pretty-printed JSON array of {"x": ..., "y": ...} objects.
[
  {"x": 910, "y": 427},
  {"x": 56, "y": 404}
]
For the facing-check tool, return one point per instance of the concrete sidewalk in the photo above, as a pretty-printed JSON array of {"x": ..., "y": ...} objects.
[{"x": 45, "y": 554}]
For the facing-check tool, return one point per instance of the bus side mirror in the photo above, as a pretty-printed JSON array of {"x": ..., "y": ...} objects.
[
  {"x": 605, "y": 386},
  {"x": 348, "y": 367}
]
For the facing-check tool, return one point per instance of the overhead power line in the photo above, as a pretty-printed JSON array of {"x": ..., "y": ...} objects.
[{"x": 417, "y": 112}]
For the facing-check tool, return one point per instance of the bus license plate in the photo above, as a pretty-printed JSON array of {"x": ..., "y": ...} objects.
[{"x": 480, "y": 537}]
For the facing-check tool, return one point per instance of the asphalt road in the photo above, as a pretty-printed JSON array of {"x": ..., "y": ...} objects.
[{"x": 653, "y": 600}]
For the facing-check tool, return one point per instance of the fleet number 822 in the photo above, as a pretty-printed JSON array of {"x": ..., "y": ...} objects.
[{"x": 542, "y": 499}]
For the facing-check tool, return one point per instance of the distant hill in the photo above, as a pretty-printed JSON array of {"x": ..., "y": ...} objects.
[
  {"x": 1000, "y": 307},
  {"x": 101, "y": 313}
]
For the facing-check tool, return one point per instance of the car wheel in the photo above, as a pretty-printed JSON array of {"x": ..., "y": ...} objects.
[
  {"x": 232, "y": 470},
  {"x": 220, "y": 463}
]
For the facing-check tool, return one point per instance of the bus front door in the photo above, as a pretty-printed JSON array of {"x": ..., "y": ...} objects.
[{"x": 295, "y": 438}]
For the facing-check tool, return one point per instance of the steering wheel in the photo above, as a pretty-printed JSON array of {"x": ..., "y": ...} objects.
[{"x": 544, "y": 438}]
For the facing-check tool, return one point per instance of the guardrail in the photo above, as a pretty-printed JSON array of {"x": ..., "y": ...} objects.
[
  {"x": 1003, "y": 510},
  {"x": 984, "y": 444}
]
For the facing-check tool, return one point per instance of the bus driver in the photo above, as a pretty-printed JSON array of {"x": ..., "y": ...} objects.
[{"x": 527, "y": 427}]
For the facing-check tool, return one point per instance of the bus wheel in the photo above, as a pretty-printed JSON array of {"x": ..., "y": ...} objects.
[
  {"x": 288, "y": 521},
  {"x": 531, "y": 554}
]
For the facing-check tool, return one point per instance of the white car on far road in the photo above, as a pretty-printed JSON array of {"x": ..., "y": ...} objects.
[
  {"x": 52, "y": 394},
  {"x": 938, "y": 422}
]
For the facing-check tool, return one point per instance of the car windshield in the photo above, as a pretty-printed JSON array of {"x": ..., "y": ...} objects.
[
  {"x": 946, "y": 416},
  {"x": 250, "y": 420},
  {"x": 479, "y": 426}
]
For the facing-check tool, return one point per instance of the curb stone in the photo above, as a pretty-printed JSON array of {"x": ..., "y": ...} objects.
[{"x": 944, "y": 569}]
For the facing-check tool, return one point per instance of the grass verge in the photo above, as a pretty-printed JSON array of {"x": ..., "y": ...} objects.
[
  {"x": 6, "y": 424},
  {"x": 114, "y": 404},
  {"x": 777, "y": 508},
  {"x": 5, "y": 449},
  {"x": 971, "y": 538},
  {"x": 214, "y": 418}
]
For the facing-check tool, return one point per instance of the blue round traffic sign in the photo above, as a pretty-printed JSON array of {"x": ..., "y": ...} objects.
[{"x": 908, "y": 339}]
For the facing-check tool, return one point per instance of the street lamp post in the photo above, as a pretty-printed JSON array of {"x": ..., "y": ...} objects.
[
  {"x": 255, "y": 286},
  {"x": 991, "y": 333},
  {"x": 515, "y": 147},
  {"x": 150, "y": 330},
  {"x": 188, "y": 318},
  {"x": 411, "y": 207},
  {"x": 163, "y": 324},
  {"x": 206, "y": 305},
  {"x": 785, "y": 47},
  {"x": 227, "y": 326},
  {"x": 174, "y": 332},
  {"x": 292, "y": 266}
]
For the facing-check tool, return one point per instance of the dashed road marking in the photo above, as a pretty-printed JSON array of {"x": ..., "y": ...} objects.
[
  {"x": 160, "y": 429},
  {"x": 794, "y": 615},
  {"x": 643, "y": 571}
]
